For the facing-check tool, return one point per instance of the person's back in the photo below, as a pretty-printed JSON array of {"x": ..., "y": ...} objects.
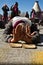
[{"x": 18, "y": 18}]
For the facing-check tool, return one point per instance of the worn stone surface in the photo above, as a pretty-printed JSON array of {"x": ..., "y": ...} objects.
[{"x": 10, "y": 55}]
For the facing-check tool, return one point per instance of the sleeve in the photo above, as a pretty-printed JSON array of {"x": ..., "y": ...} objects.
[
  {"x": 8, "y": 28},
  {"x": 7, "y": 8},
  {"x": 3, "y": 8}
]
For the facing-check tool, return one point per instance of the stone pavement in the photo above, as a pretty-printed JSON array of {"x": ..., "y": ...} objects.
[{"x": 20, "y": 56}]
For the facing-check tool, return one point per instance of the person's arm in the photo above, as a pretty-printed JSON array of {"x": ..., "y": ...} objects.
[
  {"x": 3, "y": 8},
  {"x": 7, "y": 8},
  {"x": 33, "y": 33}
]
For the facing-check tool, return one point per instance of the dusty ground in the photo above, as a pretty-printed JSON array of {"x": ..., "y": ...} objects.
[{"x": 20, "y": 56}]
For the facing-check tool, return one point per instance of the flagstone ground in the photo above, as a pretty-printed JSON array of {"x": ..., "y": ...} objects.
[{"x": 20, "y": 56}]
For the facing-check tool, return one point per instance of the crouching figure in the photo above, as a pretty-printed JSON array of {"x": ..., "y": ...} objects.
[{"x": 20, "y": 28}]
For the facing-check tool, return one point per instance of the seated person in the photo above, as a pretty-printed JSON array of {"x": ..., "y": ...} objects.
[{"x": 19, "y": 28}]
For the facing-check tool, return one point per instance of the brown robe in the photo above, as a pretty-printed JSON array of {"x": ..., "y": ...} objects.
[{"x": 22, "y": 32}]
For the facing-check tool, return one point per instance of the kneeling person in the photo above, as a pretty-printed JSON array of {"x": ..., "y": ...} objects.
[{"x": 21, "y": 27}]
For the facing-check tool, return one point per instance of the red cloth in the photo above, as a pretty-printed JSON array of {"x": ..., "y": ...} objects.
[
  {"x": 15, "y": 9},
  {"x": 18, "y": 23}
]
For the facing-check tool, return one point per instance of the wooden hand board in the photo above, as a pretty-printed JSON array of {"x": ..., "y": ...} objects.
[
  {"x": 29, "y": 46},
  {"x": 19, "y": 45},
  {"x": 15, "y": 45}
]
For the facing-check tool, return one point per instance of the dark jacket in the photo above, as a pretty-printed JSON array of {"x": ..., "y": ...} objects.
[
  {"x": 5, "y": 10},
  {"x": 14, "y": 11}
]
